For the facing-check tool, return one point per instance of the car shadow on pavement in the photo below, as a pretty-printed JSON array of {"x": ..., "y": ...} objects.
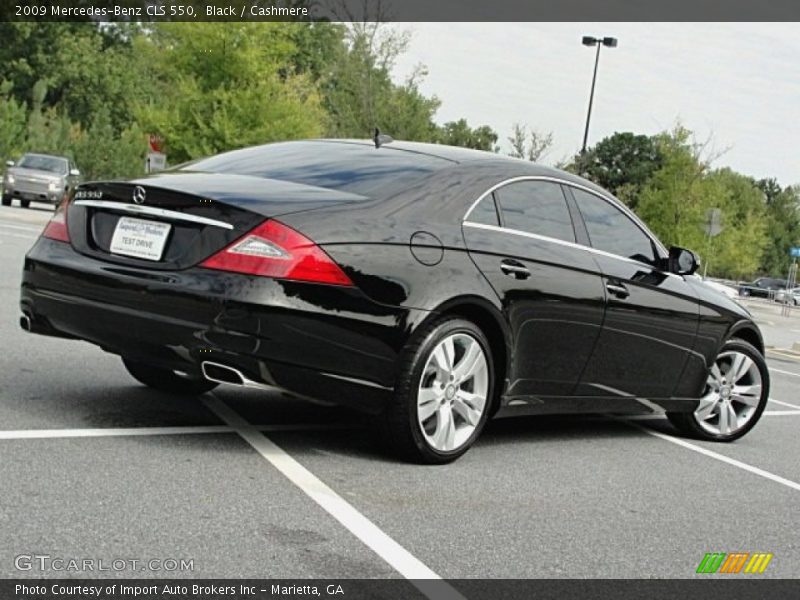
[
  {"x": 547, "y": 428},
  {"x": 296, "y": 425},
  {"x": 362, "y": 442}
]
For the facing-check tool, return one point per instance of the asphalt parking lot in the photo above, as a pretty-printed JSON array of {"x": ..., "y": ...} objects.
[{"x": 248, "y": 484}]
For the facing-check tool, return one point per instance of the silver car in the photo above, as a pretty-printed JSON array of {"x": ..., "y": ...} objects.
[
  {"x": 791, "y": 296},
  {"x": 38, "y": 177}
]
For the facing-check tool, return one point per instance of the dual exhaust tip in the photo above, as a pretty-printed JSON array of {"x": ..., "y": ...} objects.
[
  {"x": 212, "y": 371},
  {"x": 220, "y": 373}
]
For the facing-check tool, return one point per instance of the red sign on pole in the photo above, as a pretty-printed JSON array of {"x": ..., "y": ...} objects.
[{"x": 156, "y": 142}]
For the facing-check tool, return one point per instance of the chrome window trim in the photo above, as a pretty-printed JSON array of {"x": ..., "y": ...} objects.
[
  {"x": 544, "y": 238},
  {"x": 624, "y": 209},
  {"x": 154, "y": 211}
]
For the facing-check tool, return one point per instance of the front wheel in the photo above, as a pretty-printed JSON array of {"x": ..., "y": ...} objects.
[
  {"x": 737, "y": 390},
  {"x": 6, "y": 200},
  {"x": 166, "y": 380},
  {"x": 444, "y": 392}
]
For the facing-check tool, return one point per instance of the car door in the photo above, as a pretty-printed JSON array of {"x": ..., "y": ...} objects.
[
  {"x": 522, "y": 239},
  {"x": 651, "y": 317}
]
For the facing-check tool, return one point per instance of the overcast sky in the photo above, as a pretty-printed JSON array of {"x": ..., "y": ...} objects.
[{"x": 739, "y": 81}]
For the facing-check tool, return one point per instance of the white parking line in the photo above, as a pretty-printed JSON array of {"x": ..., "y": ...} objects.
[
  {"x": 21, "y": 228},
  {"x": 720, "y": 457},
  {"x": 782, "y": 403},
  {"x": 766, "y": 413},
  {"x": 22, "y": 236},
  {"x": 40, "y": 434},
  {"x": 365, "y": 530},
  {"x": 784, "y": 372}
]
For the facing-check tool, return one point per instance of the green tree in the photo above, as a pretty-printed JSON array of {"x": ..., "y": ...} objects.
[
  {"x": 219, "y": 88},
  {"x": 13, "y": 117},
  {"x": 737, "y": 251},
  {"x": 47, "y": 130},
  {"x": 675, "y": 201},
  {"x": 622, "y": 163},
  {"x": 103, "y": 153},
  {"x": 528, "y": 143},
  {"x": 459, "y": 133},
  {"x": 83, "y": 66},
  {"x": 359, "y": 94},
  {"x": 783, "y": 225}
]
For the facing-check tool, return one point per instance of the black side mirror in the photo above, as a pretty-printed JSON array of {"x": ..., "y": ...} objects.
[{"x": 682, "y": 261}]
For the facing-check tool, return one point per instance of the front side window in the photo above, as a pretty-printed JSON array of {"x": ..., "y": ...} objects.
[
  {"x": 537, "y": 207},
  {"x": 611, "y": 230}
]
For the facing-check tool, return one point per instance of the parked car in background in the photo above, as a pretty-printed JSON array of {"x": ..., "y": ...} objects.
[
  {"x": 791, "y": 296},
  {"x": 763, "y": 287},
  {"x": 40, "y": 178}
]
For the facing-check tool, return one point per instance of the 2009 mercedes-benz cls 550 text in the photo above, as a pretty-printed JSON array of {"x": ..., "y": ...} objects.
[{"x": 433, "y": 287}]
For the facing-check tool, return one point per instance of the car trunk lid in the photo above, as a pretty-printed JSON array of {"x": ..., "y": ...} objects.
[{"x": 175, "y": 220}]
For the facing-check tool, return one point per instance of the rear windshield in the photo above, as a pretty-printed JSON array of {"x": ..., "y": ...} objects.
[
  {"x": 354, "y": 168},
  {"x": 43, "y": 163}
]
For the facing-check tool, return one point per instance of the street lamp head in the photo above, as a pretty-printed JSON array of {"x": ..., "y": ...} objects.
[
  {"x": 589, "y": 40},
  {"x": 610, "y": 42}
]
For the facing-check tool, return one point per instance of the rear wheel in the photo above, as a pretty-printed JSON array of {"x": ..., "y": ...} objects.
[
  {"x": 166, "y": 380},
  {"x": 737, "y": 390},
  {"x": 444, "y": 392},
  {"x": 6, "y": 200},
  {"x": 24, "y": 203}
]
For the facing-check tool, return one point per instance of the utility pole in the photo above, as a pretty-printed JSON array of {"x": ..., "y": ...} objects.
[{"x": 587, "y": 40}]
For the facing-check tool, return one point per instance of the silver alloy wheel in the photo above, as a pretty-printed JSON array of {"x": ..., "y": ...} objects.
[
  {"x": 453, "y": 392},
  {"x": 732, "y": 396}
]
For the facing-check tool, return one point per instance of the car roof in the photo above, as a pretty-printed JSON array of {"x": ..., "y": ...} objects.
[
  {"x": 333, "y": 157},
  {"x": 460, "y": 155},
  {"x": 455, "y": 154}
]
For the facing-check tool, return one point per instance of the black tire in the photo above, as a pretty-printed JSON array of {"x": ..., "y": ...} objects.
[
  {"x": 402, "y": 433},
  {"x": 6, "y": 200},
  {"x": 168, "y": 381},
  {"x": 24, "y": 203},
  {"x": 687, "y": 424}
]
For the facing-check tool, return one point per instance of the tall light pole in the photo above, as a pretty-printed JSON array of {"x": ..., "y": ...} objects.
[{"x": 588, "y": 40}]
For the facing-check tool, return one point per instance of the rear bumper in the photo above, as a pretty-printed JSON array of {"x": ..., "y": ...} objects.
[{"x": 325, "y": 342}]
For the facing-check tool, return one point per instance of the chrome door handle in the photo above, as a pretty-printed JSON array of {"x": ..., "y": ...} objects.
[
  {"x": 515, "y": 269},
  {"x": 618, "y": 290}
]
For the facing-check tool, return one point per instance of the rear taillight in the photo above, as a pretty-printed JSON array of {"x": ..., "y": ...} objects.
[
  {"x": 56, "y": 228},
  {"x": 275, "y": 250}
]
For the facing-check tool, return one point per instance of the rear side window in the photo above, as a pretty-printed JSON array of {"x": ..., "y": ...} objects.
[
  {"x": 537, "y": 207},
  {"x": 485, "y": 212},
  {"x": 611, "y": 230}
]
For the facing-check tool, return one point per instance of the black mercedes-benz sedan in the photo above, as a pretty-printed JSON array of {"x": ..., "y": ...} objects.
[{"x": 432, "y": 287}]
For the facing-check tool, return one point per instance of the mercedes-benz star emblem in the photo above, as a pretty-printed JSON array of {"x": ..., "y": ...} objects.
[{"x": 139, "y": 194}]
